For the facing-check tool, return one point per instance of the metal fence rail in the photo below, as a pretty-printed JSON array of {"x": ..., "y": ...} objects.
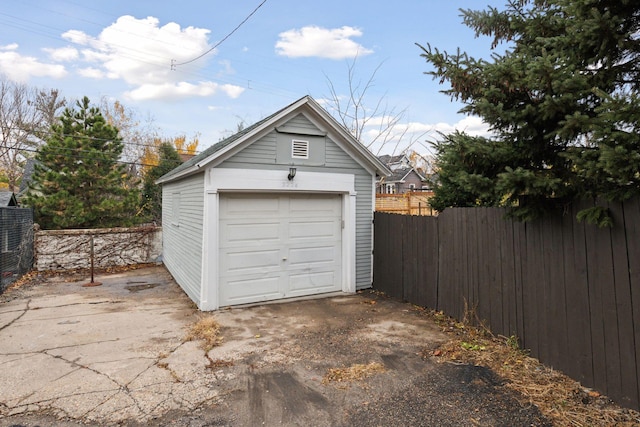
[{"x": 16, "y": 244}]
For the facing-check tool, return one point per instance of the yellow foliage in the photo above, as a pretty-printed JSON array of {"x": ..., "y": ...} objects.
[
  {"x": 150, "y": 156},
  {"x": 184, "y": 147}
]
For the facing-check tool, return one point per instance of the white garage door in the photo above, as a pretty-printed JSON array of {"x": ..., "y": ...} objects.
[{"x": 276, "y": 246}]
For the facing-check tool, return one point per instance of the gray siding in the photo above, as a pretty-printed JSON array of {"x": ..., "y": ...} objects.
[
  {"x": 336, "y": 158},
  {"x": 182, "y": 236},
  {"x": 261, "y": 152},
  {"x": 301, "y": 122},
  {"x": 364, "y": 230}
]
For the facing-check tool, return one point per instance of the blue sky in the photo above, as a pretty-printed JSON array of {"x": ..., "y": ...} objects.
[{"x": 124, "y": 50}]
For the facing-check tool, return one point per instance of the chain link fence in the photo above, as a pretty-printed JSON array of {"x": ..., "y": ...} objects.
[{"x": 16, "y": 244}]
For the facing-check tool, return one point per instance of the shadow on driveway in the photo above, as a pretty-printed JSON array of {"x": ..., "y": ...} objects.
[{"x": 71, "y": 355}]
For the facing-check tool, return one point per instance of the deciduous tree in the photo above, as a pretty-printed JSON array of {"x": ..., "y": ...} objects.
[
  {"x": 26, "y": 115},
  {"x": 168, "y": 159}
]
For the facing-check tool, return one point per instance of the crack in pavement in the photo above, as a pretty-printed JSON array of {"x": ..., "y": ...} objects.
[
  {"x": 62, "y": 347},
  {"x": 26, "y": 309},
  {"x": 71, "y": 304}
]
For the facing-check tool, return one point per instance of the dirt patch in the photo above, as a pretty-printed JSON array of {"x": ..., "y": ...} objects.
[
  {"x": 206, "y": 331},
  {"x": 353, "y": 373},
  {"x": 347, "y": 361},
  {"x": 563, "y": 400},
  {"x": 142, "y": 287}
]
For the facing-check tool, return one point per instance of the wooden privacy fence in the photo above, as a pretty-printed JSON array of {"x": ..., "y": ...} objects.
[
  {"x": 410, "y": 203},
  {"x": 569, "y": 291}
]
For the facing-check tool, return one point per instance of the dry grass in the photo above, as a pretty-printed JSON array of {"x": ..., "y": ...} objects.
[
  {"x": 353, "y": 373},
  {"x": 563, "y": 400},
  {"x": 206, "y": 330}
]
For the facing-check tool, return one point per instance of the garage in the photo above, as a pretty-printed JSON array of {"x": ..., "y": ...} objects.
[
  {"x": 275, "y": 246},
  {"x": 282, "y": 209}
]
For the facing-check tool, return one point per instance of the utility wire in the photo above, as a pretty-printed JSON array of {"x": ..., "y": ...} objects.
[
  {"x": 173, "y": 64},
  {"x": 81, "y": 155}
]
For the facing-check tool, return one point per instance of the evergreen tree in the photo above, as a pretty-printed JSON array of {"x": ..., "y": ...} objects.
[
  {"x": 168, "y": 159},
  {"x": 78, "y": 182},
  {"x": 562, "y": 102}
]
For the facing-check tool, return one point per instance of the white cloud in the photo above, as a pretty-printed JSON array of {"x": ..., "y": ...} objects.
[
  {"x": 63, "y": 54},
  {"x": 92, "y": 73},
  {"x": 140, "y": 51},
  {"x": 143, "y": 53},
  {"x": 416, "y": 135},
  {"x": 21, "y": 68},
  {"x": 471, "y": 125},
  {"x": 313, "y": 41},
  {"x": 77, "y": 37},
  {"x": 182, "y": 90}
]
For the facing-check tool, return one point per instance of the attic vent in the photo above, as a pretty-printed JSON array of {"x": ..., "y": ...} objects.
[{"x": 299, "y": 149}]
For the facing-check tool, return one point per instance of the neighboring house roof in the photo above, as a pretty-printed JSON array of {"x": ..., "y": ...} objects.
[
  {"x": 7, "y": 198},
  {"x": 400, "y": 161},
  {"x": 185, "y": 156},
  {"x": 27, "y": 176},
  {"x": 235, "y": 142},
  {"x": 400, "y": 175}
]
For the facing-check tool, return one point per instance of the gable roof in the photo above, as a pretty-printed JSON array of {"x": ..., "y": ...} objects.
[
  {"x": 389, "y": 160},
  {"x": 400, "y": 175},
  {"x": 307, "y": 104}
]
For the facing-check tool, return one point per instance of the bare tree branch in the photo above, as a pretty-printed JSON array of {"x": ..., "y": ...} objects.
[{"x": 378, "y": 126}]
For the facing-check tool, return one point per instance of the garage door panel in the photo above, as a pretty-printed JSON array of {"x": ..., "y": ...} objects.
[
  {"x": 269, "y": 253},
  {"x": 251, "y": 289},
  {"x": 312, "y": 229},
  {"x": 248, "y": 261},
  {"x": 248, "y": 233},
  {"x": 310, "y": 256},
  {"x": 318, "y": 205},
  {"x": 303, "y": 283},
  {"x": 254, "y": 206}
]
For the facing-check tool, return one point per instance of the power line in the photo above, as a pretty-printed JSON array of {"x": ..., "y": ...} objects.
[
  {"x": 173, "y": 64},
  {"x": 50, "y": 133},
  {"x": 80, "y": 156}
]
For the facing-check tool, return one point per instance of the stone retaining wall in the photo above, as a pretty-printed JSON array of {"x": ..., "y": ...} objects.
[{"x": 71, "y": 249}]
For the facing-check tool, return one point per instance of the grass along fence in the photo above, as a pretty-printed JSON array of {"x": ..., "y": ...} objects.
[{"x": 569, "y": 291}]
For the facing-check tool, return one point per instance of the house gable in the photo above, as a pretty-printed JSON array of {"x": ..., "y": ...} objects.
[{"x": 305, "y": 119}]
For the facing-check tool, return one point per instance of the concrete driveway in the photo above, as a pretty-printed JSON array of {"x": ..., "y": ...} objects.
[{"x": 71, "y": 355}]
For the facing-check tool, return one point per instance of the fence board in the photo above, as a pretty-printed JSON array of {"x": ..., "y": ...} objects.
[
  {"x": 507, "y": 278},
  {"x": 472, "y": 247},
  {"x": 410, "y": 258},
  {"x": 632, "y": 213},
  {"x": 575, "y": 279},
  {"x": 446, "y": 264},
  {"x": 388, "y": 254},
  {"x": 597, "y": 300},
  {"x": 428, "y": 259},
  {"x": 495, "y": 272},
  {"x": 532, "y": 282},
  {"x": 623, "y": 311},
  {"x": 520, "y": 254}
]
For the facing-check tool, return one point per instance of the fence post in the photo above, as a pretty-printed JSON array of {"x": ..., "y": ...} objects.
[{"x": 91, "y": 255}]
